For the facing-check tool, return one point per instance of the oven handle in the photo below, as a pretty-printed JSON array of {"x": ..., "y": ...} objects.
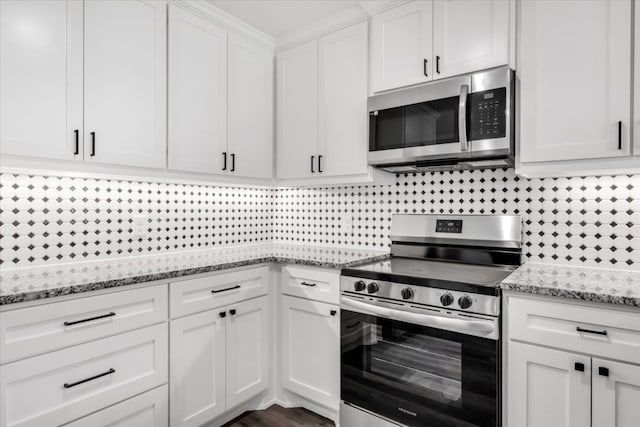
[
  {"x": 479, "y": 328},
  {"x": 462, "y": 118}
]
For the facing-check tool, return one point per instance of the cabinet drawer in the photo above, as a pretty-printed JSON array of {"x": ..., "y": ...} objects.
[
  {"x": 203, "y": 293},
  {"x": 29, "y": 331},
  {"x": 150, "y": 409},
  {"x": 311, "y": 283},
  {"x": 593, "y": 330},
  {"x": 67, "y": 384}
]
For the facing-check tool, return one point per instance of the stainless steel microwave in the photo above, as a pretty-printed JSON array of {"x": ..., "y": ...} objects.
[{"x": 464, "y": 122}]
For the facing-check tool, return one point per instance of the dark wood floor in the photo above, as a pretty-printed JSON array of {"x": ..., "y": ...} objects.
[{"x": 277, "y": 416}]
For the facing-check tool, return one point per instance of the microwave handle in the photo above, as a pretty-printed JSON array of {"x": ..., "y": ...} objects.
[{"x": 462, "y": 118}]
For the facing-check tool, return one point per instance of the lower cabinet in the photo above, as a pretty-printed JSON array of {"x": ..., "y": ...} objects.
[
  {"x": 150, "y": 409},
  {"x": 615, "y": 394},
  {"x": 218, "y": 358},
  {"x": 311, "y": 350}
]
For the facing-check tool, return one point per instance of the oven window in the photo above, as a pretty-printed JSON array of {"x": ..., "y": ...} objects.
[
  {"x": 417, "y": 375},
  {"x": 426, "y": 123}
]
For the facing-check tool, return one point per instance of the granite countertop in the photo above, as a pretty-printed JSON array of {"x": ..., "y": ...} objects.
[
  {"x": 584, "y": 283},
  {"x": 32, "y": 283}
]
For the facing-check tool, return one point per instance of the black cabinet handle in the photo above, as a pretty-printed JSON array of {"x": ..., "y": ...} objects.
[
  {"x": 224, "y": 161},
  {"x": 438, "y": 64},
  {"x": 591, "y": 331},
  {"x": 620, "y": 135},
  {"x": 95, "y": 377},
  {"x": 223, "y": 314},
  {"x": 312, "y": 160},
  {"x": 333, "y": 312},
  {"x": 308, "y": 284},
  {"x": 232, "y": 312},
  {"x": 233, "y": 162},
  {"x": 579, "y": 367},
  {"x": 424, "y": 67},
  {"x": 320, "y": 163},
  {"x": 214, "y": 291},
  {"x": 76, "y": 132},
  {"x": 93, "y": 144},
  {"x": 89, "y": 319},
  {"x": 603, "y": 371}
]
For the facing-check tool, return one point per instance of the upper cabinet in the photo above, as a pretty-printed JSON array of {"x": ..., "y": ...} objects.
[
  {"x": 197, "y": 93},
  {"x": 322, "y": 106},
  {"x": 402, "y": 46},
  {"x": 575, "y": 74},
  {"x": 427, "y": 40},
  {"x": 469, "y": 35},
  {"x": 125, "y": 50},
  {"x": 41, "y": 78}
]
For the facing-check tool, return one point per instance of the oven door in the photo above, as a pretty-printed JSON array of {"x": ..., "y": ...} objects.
[{"x": 418, "y": 375}]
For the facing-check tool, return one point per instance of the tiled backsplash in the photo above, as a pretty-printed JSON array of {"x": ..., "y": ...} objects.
[{"x": 47, "y": 219}]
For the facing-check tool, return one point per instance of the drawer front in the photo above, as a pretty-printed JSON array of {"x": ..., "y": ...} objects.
[
  {"x": 592, "y": 330},
  {"x": 217, "y": 290},
  {"x": 30, "y": 331},
  {"x": 150, "y": 409},
  {"x": 311, "y": 283},
  {"x": 67, "y": 384}
]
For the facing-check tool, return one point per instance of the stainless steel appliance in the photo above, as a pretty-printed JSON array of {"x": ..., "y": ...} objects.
[
  {"x": 464, "y": 122},
  {"x": 420, "y": 332}
]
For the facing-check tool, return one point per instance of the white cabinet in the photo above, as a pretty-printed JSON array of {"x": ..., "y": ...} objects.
[
  {"x": 616, "y": 394},
  {"x": 250, "y": 139},
  {"x": 219, "y": 358},
  {"x": 311, "y": 350},
  {"x": 469, "y": 35},
  {"x": 125, "y": 82},
  {"x": 636, "y": 80},
  {"x": 342, "y": 90},
  {"x": 297, "y": 111},
  {"x": 401, "y": 46},
  {"x": 197, "y": 93},
  {"x": 41, "y": 78},
  {"x": 575, "y": 80},
  {"x": 548, "y": 387}
]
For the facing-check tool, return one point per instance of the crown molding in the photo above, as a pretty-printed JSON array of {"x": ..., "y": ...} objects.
[
  {"x": 373, "y": 7},
  {"x": 330, "y": 24},
  {"x": 225, "y": 20}
]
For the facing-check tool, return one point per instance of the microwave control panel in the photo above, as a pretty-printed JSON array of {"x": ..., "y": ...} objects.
[{"x": 488, "y": 115}]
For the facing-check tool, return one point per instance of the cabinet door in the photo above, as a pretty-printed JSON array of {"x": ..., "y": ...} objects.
[
  {"x": 616, "y": 394},
  {"x": 251, "y": 108},
  {"x": 297, "y": 104},
  {"x": 197, "y": 358},
  {"x": 197, "y": 94},
  {"x": 125, "y": 82},
  {"x": 546, "y": 388},
  {"x": 311, "y": 350},
  {"x": 247, "y": 350},
  {"x": 469, "y": 35},
  {"x": 343, "y": 101},
  {"x": 401, "y": 46},
  {"x": 41, "y": 78},
  {"x": 575, "y": 79}
]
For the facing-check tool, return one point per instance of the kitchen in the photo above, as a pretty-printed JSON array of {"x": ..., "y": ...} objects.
[{"x": 360, "y": 213}]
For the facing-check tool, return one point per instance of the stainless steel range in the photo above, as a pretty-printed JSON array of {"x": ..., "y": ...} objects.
[{"x": 420, "y": 332}]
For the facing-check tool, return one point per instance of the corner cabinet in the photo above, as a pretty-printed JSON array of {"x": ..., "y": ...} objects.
[
  {"x": 575, "y": 108},
  {"x": 571, "y": 364}
]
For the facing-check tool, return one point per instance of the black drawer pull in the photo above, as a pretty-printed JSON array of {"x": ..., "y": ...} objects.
[
  {"x": 579, "y": 366},
  {"x": 438, "y": 64},
  {"x": 620, "y": 135},
  {"x": 233, "y": 162},
  {"x": 320, "y": 163},
  {"x": 93, "y": 144},
  {"x": 232, "y": 312},
  {"x": 424, "y": 68},
  {"x": 591, "y": 331},
  {"x": 224, "y": 161},
  {"x": 77, "y": 137},
  {"x": 308, "y": 284},
  {"x": 333, "y": 312},
  {"x": 89, "y": 319},
  {"x": 223, "y": 314},
  {"x": 603, "y": 371},
  {"x": 95, "y": 377},
  {"x": 312, "y": 160},
  {"x": 214, "y": 291}
]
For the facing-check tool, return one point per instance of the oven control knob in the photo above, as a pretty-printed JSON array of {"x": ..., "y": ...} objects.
[
  {"x": 446, "y": 299},
  {"x": 407, "y": 293},
  {"x": 359, "y": 286},
  {"x": 465, "y": 302},
  {"x": 372, "y": 288}
]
